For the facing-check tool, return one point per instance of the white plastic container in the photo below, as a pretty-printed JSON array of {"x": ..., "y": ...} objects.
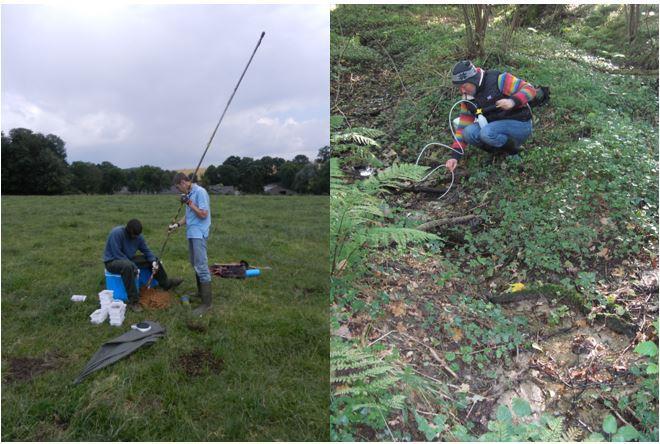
[
  {"x": 117, "y": 312},
  {"x": 99, "y": 316}
]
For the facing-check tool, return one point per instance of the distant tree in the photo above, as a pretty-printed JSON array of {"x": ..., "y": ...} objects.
[
  {"x": 113, "y": 178},
  {"x": 301, "y": 159},
  {"x": 167, "y": 178},
  {"x": 323, "y": 155},
  {"x": 234, "y": 161},
  {"x": 269, "y": 167},
  {"x": 227, "y": 175},
  {"x": 33, "y": 163},
  {"x": 252, "y": 179},
  {"x": 321, "y": 182},
  {"x": 210, "y": 176},
  {"x": 151, "y": 179},
  {"x": 86, "y": 177},
  {"x": 131, "y": 180},
  {"x": 302, "y": 182},
  {"x": 287, "y": 173}
]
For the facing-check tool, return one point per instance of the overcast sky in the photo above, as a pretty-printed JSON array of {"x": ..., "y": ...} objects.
[{"x": 146, "y": 84}]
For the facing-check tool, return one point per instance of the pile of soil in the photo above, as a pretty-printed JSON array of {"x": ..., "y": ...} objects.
[
  {"x": 155, "y": 299},
  {"x": 25, "y": 368},
  {"x": 198, "y": 362}
]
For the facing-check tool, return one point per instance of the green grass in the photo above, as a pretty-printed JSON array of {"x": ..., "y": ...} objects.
[{"x": 271, "y": 332}]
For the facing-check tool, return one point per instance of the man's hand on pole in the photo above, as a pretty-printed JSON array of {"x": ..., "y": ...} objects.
[
  {"x": 172, "y": 227},
  {"x": 154, "y": 266}
]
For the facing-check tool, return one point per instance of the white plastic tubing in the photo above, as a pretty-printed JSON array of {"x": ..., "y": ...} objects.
[{"x": 459, "y": 151}]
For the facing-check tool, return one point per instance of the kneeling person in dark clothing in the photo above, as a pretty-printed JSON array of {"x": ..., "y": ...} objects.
[
  {"x": 509, "y": 117},
  {"x": 119, "y": 258}
]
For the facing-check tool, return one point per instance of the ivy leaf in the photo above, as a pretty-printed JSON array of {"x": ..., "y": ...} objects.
[
  {"x": 423, "y": 426},
  {"x": 625, "y": 433},
  {"x": 439, "y": 421},
  {"x": 595, "y": 437},
  {"x": 503, "y": 414},
  {"x": 652, "y": 369},
  {"x": 521, "y": 407},
  {"x": 646, "y": 348},
  {"x": 609, "y": 424}
]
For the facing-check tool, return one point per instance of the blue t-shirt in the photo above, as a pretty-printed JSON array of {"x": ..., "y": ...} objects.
[
  {"x": 121, "y": 246},
  {"x": 197, "y": 228}
]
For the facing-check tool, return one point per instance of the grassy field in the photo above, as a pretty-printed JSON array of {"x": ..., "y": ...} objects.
[{"x": 266, "y": 339}]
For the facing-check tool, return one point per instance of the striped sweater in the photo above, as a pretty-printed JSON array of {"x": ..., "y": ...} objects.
[{"x": 514, "y": 88}]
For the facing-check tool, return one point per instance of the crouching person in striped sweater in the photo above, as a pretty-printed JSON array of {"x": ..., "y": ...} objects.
[{"x": 503, "y": 99}]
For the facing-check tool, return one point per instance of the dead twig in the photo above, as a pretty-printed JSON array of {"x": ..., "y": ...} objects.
[
  {"x": 434, "y": 354},
  {"x": 382, "y": 337}
]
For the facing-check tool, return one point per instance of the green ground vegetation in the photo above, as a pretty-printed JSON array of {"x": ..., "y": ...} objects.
[
  {"x": 265, "y": 375},
  {"x": 578, "y": 208}
]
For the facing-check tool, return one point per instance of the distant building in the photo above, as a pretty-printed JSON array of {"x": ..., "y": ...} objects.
[
  {"x": 227, "y": 190},
  {"x": 170, "y": 190},
  {"x": 275, "y": 189}
]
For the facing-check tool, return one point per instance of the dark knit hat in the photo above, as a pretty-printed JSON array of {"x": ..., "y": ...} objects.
[
  {"x": 134, "y": 228},
  {"x": 464, "y": 72}
]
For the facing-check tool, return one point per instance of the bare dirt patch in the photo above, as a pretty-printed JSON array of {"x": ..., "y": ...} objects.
[
  {"x": 25, "y": 368},
  {"x": 199, "y": 362}
]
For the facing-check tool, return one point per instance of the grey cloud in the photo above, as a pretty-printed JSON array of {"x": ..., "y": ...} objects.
[{"x": 147, "y": 84}]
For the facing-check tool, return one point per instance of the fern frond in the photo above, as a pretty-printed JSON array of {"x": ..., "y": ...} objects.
[
  {"x": 353, "y": 137},
  {"x": 369, "y": 132},
  {"x": 572, "y": 434}
]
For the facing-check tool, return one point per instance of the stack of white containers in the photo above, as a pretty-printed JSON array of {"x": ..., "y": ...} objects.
[{"x": 115, "y": 309}]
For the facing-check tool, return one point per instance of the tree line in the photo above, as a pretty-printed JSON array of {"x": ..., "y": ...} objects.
[{"x": 33, "y": 163}]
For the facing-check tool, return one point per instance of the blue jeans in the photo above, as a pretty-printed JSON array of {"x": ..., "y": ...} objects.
[
  {"x": 198, "y": 259},
  {"x": 496, "y": 133}
]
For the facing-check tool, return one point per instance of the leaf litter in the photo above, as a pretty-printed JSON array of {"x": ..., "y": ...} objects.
[{"x": 570, "y": 370}]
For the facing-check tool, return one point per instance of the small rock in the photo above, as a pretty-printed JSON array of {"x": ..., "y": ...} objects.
[{"x": 528, "y": 391}]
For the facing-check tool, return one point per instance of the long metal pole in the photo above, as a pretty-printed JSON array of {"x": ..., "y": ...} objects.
[{"x": 208, "y": 145}]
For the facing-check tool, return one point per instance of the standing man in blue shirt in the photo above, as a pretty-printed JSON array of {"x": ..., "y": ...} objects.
[
  {"x": 198, "y": 222},
  {"x": 119, "y": 258}
]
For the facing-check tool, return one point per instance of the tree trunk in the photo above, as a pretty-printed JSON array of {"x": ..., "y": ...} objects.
[
  {"x": 476, "y": 23},
  {"x": 633, "y": 15}
]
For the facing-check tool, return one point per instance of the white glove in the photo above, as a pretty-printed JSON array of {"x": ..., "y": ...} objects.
[
  {"x": 154, "y": 266},
  {"x": 172, "y": 227}
]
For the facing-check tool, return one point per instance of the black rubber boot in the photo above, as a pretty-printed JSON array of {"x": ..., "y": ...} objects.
[
  {"x": 198, "y": 295},
  {"x": 205, "y": 292}
]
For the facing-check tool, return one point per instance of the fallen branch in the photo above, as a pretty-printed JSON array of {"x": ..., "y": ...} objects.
[{"x": 450, "y": 221}]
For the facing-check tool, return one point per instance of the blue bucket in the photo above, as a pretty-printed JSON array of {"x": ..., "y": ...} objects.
[
  {"x": 113, "y": 282},
  {"x": 144, "y": 278}
]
